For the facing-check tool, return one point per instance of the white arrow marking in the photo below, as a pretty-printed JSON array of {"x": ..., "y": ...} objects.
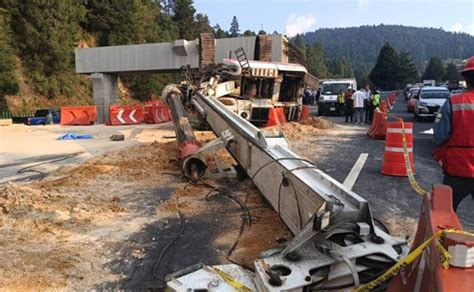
[
  {"x": 132, "y": 117},
  {"x": 119, "y": 116}
]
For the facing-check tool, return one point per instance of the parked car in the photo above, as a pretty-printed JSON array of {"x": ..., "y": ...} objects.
[
  {"x": 41, "y": 117},
  {"x": 429, "y": 101}
]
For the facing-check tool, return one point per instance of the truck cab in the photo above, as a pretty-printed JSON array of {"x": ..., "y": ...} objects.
[
  {"x": 330, "y": 88},
  {"x": 268, "y": 85}
]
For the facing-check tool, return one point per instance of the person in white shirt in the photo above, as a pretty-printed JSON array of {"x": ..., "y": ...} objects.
[
  {"x": 358, "y": 97},
  {"x": 367, "y": 105}
]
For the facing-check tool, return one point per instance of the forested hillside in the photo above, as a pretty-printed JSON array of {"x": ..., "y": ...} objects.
[
  {"x": 38, "y": 38},
  {"x": 361, "y": 45}
]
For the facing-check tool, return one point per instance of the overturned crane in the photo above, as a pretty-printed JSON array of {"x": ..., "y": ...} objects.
[{"x": 337, "y": 243}]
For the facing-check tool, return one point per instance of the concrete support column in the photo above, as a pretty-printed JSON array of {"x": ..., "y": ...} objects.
[{"x": 105, "y": 93}]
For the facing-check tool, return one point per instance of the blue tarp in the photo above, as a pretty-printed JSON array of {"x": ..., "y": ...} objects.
[{"x": 72, "y": 136}]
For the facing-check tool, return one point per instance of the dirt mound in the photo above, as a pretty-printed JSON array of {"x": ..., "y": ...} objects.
[
  {"x": 53, "y": 231},
  {"x": 296, "y": 131},
  {"x": 317, "y": 123}
]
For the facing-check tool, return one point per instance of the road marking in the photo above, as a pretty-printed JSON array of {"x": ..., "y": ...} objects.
[
  {"x": 119, "y": 116},
  {"x": 355, "y": 171}
]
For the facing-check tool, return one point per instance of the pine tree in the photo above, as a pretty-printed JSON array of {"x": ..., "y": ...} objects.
[
  {"x": 248, "y": 32},
  {"x": 298, "y": 41},
  {"x": 386, "y": 71},
  {"x": 184, "y": 18},
  {"x": 317, "y": 61},
  {"x": 8, "y": 67},
  {"x": 219, "y": 33},
  {"x": 46, "y": 33},
  {"x": 202, "y": 24},
  {"x": 434, "y": 70},
  {"x": 408, "y": 72},
  {"x": 234, "y": 28},
  {"x": 452, "y": 73}
]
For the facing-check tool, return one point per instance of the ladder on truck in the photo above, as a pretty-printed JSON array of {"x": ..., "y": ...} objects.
[{"x": 243, "y": 61}]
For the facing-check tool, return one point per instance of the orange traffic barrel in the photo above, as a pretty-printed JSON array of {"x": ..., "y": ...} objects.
[{"x": 394, "y": 160}]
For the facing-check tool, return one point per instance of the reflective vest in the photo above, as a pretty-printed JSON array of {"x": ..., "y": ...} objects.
[
  {"x": 376, "y": 99},
  {"x": 457, "y": 155},
  {"x": 341, "y": 98}
]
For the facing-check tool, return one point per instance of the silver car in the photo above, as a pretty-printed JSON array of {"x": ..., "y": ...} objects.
[{"x": 429, "y": 101}]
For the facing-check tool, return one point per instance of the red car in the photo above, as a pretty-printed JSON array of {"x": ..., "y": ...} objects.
[
  {"x": 412, "y": 95},
  {"x": 411, "y": 105}
]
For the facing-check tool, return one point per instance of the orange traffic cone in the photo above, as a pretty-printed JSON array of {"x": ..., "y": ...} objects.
[
  {"x": 393, "y": 160},
  {"x": 276, "y": 116}
]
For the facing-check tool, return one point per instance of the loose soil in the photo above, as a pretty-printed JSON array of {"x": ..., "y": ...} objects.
[
  {"x": 71, "y": 229},
  {"x": 78, "y": 228}
]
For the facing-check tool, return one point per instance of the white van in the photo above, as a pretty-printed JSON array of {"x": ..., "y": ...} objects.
[{"x": 330, "y": 88}]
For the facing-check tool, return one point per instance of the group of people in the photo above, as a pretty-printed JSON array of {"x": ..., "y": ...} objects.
[{"x": 358, "y": 106}]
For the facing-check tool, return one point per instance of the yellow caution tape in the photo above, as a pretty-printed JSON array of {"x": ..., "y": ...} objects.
[
  {"x": 231, "y": 281},
  {"x": 411, "y": 177},
  {"x": 443, "y": 253},
  {"x": 395, "y": 269}
]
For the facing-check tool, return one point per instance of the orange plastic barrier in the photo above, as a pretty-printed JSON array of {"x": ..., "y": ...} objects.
[
  {"x": 78, "y": 115},
  {"x": 156, "y": 113},
  {"x": 393, "y": 160},
  {"x": 383, "y": 106},
  {"x": 125, "y": 115},
  {"x": 378, "y": 128},
  {"x": 276, "y": 116},
  {"x": 304, "y": 113},
  {"x": 426, "y": 273}
]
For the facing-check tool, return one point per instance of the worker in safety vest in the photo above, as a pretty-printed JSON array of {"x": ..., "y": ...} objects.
[
  {"x": 341, "y": 100},
  {"x": 349, "y": 106},
  {"x": 455, "y": 131},
  {"x": 374, "y": 103}
]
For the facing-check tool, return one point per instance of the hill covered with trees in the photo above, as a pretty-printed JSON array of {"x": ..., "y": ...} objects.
[
  {"x": 38, "y": 38},
  {"x": 360, "y": 45}
]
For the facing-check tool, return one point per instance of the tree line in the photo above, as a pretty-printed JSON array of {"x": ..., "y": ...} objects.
[
  {"x": 361, "y": 45},
  {"x": 394, "y": 70},
  {"x": 39, "y": 37}
]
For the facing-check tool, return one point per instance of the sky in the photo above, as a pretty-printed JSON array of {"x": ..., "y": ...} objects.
[{"x": 297, "y": 16}]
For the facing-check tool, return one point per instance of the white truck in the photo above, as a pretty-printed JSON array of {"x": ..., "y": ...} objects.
[
  {"x": 330, "y": 88},
  {"x": 429, "y": 82}
]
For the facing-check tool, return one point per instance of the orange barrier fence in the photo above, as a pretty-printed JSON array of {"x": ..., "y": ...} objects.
[
  {"x": 78, "y": 115},
  {"x": 156, "y": 112},
  {"x": 304, "y": 114},
  {"x": 125, "y": 115},
  {"x": 426, "y": 273},
  {"x": 377, "y": 129},
  {"x": 276, "y": 116}
]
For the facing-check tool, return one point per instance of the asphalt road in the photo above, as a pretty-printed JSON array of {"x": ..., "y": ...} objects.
[{"x": 392, "y": 196}]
